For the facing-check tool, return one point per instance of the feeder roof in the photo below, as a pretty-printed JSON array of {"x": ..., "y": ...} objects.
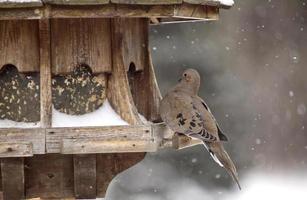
[
  {"x": 168, "y": 10},
  {"x": 39, "y": 3}
]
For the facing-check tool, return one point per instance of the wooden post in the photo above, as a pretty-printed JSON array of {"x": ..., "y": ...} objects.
[
  {"x": 45, "y": 73},
  {"x": 12, "y": 171}
]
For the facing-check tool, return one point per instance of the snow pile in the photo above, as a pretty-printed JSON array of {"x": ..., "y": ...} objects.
[
  {"x": 5, "y": 123},
  {"x": 268, "y": 187},
  {"x": 104, "y": 116},
  {"x": 158, "y": 180},
  {"x": 227, "y": 2}
]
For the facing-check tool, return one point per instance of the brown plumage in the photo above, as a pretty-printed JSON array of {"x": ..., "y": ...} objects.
[{"x": 186, "y": 113}]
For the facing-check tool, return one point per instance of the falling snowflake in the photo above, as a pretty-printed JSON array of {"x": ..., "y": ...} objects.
[
  {"x": 194, "y": 160},
  {"x": 301, "y": 109}
]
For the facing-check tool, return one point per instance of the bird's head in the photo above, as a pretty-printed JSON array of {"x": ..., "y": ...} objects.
[{"x": 190, "y": 79}]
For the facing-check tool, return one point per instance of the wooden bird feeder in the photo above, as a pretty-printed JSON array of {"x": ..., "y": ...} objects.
[{"x": 72, "y": 55}]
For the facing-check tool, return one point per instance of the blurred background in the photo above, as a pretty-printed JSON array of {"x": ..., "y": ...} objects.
[{"x": 254, "y": 78}]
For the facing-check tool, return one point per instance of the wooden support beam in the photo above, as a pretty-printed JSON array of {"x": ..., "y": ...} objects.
[
  {"x": 12, "y": 171},
  {"x": 85, "y": 176},
  {"x": 96, "y": 145},
  {"x": 32, "y": 137},
  {"x": 45, "y": 73},
  {"x": 61, "y": 140},
  {"x": 21, "y": 149},
  {"x": 111, "y": 10}
]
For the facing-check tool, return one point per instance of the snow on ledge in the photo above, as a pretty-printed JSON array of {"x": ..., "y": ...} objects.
[
  {"x": 5, "y": 123},
  {"x": 104, "y": 116},
  {"x": 227, "y": 2}
]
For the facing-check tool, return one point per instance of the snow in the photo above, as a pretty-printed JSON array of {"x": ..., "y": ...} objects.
[
  {"x": 104, "y": 116},
  {"x": 5, "y": 123},
  {"x": 256, "y": 184},
  {"x": 227, "y": 2},
  {"x": 301, "y": 109}
]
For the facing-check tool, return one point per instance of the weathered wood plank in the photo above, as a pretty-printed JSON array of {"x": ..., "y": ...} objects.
[
  {"x": 55, "y": 136},
  {"x": 45, "y": 73},
  {"x": 21, "y": 149},
  {"x": 85, "y": 176},
  {"x": 96, "y": 145},
  {"x": 191, "y": 11},
  {"x": 80, "y": 41},
  {"x": 76, "y": 2},
  {"x": 49, "y": 176},
  {"x": 133, "y": 48},
  {"x": 12, "y": 171},
  {"x": 144, "y": 88},
  {"x": 98, "y": 11},
  {"x": 20, "y": 4},
  {"x": 22, "y": 13},
  {"x": 118, "y": 91},
  {"x": 212, "y": 12},
  {"x": 19, "y": 44},
  {"x": 35, "y": 136},
  {"x": 147, "y": 2},
  {"x": 109, "y": 165}
]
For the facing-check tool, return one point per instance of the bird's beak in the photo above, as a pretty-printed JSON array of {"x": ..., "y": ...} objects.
[{"x": 179, "y": 79}]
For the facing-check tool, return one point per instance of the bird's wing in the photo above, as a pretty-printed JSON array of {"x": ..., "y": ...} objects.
[
  {"x": 210, "y": 122},
  {"x": 179, "y": 113}
]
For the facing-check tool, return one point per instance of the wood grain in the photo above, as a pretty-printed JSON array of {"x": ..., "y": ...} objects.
[
  {"x": 119, "y": 92},
  {"x": 19, "y": 44},
  {"x": 97, "y": 145},
  {"x": 21, "y": 149},
  {"x": 80, "y": 41},
  {"x": 133, "y": 48},
  {"x": 55, "y": 136},
  {"x": 45, "y": 73},
  {"x": 49, "y": 176},
  {"x": 34, "y": 136},
  {"x": 12, "y": 172},
  {"x": 111, "y": 11},
  {"x": 194, "y": 11},
  {"x": 144, "y": 88},
  {"x": 109, "y": 165},
  {"x": 85, "y": 176}
]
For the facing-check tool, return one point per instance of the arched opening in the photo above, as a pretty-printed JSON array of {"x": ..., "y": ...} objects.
[{"x": 8, "y": 68}]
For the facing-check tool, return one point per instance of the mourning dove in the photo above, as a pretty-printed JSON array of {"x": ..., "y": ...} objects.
[{"x": 186, "y": 113}]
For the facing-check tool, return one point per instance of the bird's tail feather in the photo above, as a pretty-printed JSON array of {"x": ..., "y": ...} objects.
[{"x": 220, "y": 156}]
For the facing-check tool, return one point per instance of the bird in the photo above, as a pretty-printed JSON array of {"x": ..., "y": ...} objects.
[{"x": 184, "y": 112}]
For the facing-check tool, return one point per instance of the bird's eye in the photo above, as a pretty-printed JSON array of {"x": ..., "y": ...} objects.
[{"x": 184, "y": 74}]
